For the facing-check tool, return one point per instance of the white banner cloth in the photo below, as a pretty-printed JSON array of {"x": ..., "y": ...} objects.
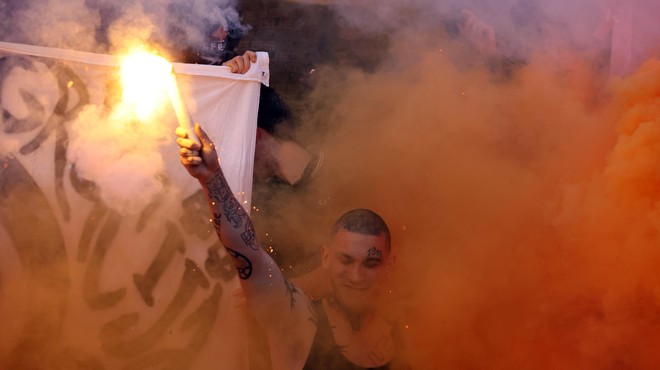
[{"x": 107, "y": 256}]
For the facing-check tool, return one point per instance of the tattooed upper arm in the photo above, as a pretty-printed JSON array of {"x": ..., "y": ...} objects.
[
  {"x": 279, "y": 306},
  {"x": 242, "y": 263}
]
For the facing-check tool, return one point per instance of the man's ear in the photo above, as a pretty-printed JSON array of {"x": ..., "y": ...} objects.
[{"x": 325, "y": 257}]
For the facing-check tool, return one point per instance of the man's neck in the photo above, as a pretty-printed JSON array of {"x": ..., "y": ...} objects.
[
  {"x": 369, "y": 343},
  {"x": 351, "y": 317}
]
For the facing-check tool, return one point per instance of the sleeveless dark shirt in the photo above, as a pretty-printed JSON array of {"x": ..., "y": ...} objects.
[{"x": 325, "y": 353}]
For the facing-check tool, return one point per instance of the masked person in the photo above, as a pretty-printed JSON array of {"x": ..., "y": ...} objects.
[{"x": 349, "y": 329}]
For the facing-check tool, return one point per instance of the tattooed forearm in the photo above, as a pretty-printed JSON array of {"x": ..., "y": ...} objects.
[
  {"x": 234, "y": 212},
  {"x": 249, "y": 237},
  {"x": 228, "y": 217},
  {"x": 221, "y": 197},
  {"x": 220, "y": 194},
  {"x": 218, "y": 188},
  {"x": 242, "y": 263},
  {"x": 217, "y": 222}
]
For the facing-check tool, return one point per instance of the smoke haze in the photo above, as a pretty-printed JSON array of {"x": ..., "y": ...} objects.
[
  {"x": 521, "y": 189},
  {"x": 109, "y": 26},
  {"x": 522, "y": 193},
  {"x": 132, "y": 181},
  {"x": 91, "y": 235}
]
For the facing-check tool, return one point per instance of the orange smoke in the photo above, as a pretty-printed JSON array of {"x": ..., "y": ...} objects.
[{"x": 523, "y": 209}]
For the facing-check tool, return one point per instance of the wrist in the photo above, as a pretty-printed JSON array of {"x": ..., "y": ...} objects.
[{"x": 212, "y": 178}]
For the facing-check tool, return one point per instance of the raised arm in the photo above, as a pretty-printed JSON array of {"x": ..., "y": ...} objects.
[{"x": 278, "y": 306}]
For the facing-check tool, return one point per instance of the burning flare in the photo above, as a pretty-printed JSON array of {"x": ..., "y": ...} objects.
[{"x": 145, "y": 78}]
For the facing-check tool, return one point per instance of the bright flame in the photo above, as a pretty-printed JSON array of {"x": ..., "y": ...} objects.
[{"x": 144, "y": 79}]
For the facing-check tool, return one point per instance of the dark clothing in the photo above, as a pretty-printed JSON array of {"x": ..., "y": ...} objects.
[{"x": 325, "y": 353}]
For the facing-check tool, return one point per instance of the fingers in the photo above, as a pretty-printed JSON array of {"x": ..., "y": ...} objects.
[
  {"x": 190, "y": 161},
  {"x": 186, "y": 143},
  {"x": 203, "y": 137},
  {"x": 239, "y": 65},
  {"x": 231, "y": 64},
  {"x": 252, "y": 56},
  {"x": 199, "y": 158},
  {"x": 184, "y": 140},
  {"x": 184, "y": 152},
  {"x": 242, "y": 63},
  {"x": 181, "y": 132},
  {"x": 189, "y": 157}
]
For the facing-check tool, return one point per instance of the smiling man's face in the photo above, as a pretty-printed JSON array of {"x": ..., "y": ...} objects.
[{"x": 357, "y": 264}]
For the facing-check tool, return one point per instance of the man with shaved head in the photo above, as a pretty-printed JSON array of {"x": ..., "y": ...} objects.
[{"x": 345, "y": 330}]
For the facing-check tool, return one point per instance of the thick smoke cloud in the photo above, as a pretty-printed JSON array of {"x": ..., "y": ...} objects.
[
  {"x": 522, "y": 193},
  {"x": 88, "y": 214},
  {"x": 521, "y": 190},
  {"x": 133, "y": 179},
  {"x": 108, "y": 26}
]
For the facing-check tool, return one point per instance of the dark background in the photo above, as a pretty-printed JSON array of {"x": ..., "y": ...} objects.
[{"x": 299, "y": 37}]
